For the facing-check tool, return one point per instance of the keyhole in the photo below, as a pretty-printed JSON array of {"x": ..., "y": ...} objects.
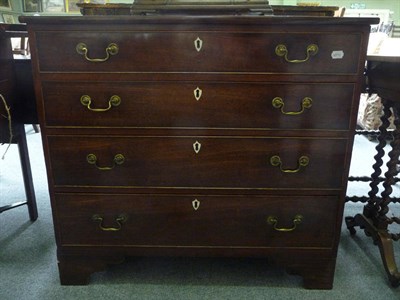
[
  {"x": 196, "y": 147},
  {"x": 197, "y": 93},
  {"x": 196, "y": 204},
  {"x": 198, "y": 44}
]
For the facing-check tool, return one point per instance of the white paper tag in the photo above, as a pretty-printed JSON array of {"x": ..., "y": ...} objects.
[{"x": 337, "y": 54}]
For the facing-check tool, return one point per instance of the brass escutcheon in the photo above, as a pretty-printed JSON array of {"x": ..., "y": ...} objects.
[
  {"x": 278, "y": 102},
  {"x": 82, "y": 49},
  {"x": 272, "y": 220},
  {"x": 281, "y": 50},
  {"x": 122, "y": 218},
  {"x": 115, "y": 100},
  {"x": 276, "y": 161},
  {"x": 118, "y": 160}
]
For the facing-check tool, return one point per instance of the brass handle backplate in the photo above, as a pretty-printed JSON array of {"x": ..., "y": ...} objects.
[
  {"x": 272, "y": 220},
  {"x": 311, "y": 50},
  {"x": 87, "y": 101},
  {"x": 278, "y": 102},
  {"x": 82, "y": 49},
  {"x": 277, "y": 162},
  {"x": 118, "y": 160},
  {"x": 119, "y": 220}
]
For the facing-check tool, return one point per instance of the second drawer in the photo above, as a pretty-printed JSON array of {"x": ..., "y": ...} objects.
[{"x": 198, "y": 104}]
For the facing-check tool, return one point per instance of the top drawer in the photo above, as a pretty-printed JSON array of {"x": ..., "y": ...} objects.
[{"x": 176, "y": 51}]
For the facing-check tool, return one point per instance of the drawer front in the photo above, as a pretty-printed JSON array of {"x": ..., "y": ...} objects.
[
  {"x": 196, "y": 220},
  {"x": 198, "y": 105},
  {"x": 179, "y": 51},
  {"x": 197, "y": 162}
]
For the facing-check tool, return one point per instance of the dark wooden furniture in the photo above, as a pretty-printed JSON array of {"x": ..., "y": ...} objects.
[
  {"x": 187, "y": 7},
  {"x": 257, "y": 7},
  {"x": 16, "y": 88},
  {"x": 298, "y": 10},
  {"x": 198, "y": 136},
  {"x": 383, "y": 73}
]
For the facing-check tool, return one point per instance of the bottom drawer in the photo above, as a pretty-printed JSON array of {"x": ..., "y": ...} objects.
[{"x": 196, "y": 220}]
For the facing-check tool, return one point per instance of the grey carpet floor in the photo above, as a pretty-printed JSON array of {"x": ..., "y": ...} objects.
[{"x": 28, "y": 265}]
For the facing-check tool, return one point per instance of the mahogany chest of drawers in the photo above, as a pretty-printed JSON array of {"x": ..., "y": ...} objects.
[{"x": 198, "y": 136}]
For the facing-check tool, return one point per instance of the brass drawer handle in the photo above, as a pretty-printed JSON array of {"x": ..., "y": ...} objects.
[
  {"x": 278, "y": 102},
  {"x": 277, "y": 162},
  {"x": 118, "y": 160},
  {"x": 82, "y": 49},
  {"x": 281, "y": 50},
  {"x": 114, "y": 101},
  {"x": 272, "y": 220},
  {"x": 119, "y": 220}
]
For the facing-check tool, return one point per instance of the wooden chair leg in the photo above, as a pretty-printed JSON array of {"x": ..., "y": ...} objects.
[{"x": 27, "y": 174}]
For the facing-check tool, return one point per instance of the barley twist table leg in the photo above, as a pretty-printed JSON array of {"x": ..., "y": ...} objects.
[{"x": 374, "y": 219}]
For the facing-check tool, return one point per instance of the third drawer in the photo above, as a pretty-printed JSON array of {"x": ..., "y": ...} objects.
[{"x": 197, "y": 162}]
